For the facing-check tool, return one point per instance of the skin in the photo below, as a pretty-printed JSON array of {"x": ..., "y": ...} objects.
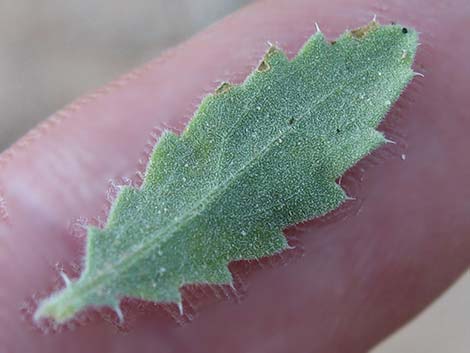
[{"x": 362, "y": 272}]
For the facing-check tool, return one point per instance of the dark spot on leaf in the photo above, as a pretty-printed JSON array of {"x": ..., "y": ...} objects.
[
  {"x": 264, "y": 66},
  {"x": 404, "y": 30},
  {"x": 224, "y": 87},
  {"x": 362, "y": 31},
  {"x": 338, "y": 131},
  {"x": 291, "y": 121}
]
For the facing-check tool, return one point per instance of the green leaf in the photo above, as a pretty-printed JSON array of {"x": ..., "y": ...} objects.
[{"x": 255, "y": 159}]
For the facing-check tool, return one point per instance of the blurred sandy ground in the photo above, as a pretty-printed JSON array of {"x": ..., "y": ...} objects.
[{"x": 52, "y": 51}]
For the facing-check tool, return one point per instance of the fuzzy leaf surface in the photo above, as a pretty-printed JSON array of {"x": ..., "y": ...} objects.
[{"x": 255, "y": 158}]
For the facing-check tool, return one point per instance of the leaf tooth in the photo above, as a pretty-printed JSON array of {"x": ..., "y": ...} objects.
[
  {"x": 272, "y": 55},
  {"x": 363, "y": 31},
  {"x": 224, "y": 88}
]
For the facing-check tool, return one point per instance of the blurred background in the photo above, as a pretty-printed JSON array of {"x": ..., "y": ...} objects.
[{"x": 52, "y": 51}]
